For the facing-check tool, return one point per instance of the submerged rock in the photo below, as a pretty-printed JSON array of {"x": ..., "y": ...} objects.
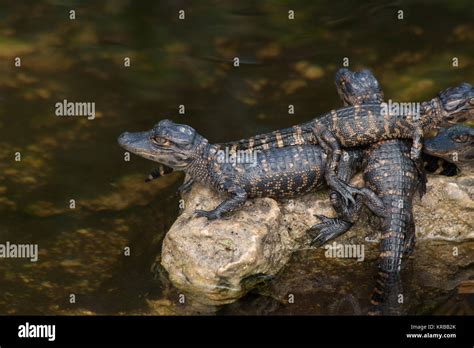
[{"x": 217, "y": 262}]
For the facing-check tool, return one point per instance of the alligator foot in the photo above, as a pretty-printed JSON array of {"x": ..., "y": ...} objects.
[
  {"x": 158, "y": 172},
  {"x": 210, "y": 215},
  {"x": 346, "y": 191},
  {"x": 330, "y": 228},
  {"x": 185, "y": 187}
]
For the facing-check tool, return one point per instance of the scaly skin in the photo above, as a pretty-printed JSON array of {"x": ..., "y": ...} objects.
[
  {"x": 381, "y": 158},
  {"x": 365, "y": 124},
  {"x": 392, "y": 175},
  {"x": 275, "y": 173},
  {"x": 455, "y": 145},
  {"x": 397, "y": 191},
  {"x": 451, "y": 106}
]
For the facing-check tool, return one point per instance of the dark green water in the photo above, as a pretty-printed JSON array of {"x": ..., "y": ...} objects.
[{"x": 177, "y": 62}]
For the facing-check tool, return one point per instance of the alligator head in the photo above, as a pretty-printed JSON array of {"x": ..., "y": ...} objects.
[
  {"x": 455, "y": 145},
  {"x": 169, "y": 143},
  {"x": 457, "y": 103},
  {"x": 360, "y": 87}
]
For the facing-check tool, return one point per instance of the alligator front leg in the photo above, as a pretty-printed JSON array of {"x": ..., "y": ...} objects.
[
  {"x": 417, "y": 145},
  {"x": 330, "y": 144},
  {"x": 161, "y": 170},
  {"x": 237, "y": 200},
  {"x": 186, "y": 186}
]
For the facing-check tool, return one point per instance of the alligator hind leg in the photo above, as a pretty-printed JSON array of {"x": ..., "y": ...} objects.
[
  {"x": 330, "y": 228},
  {"x": 374, "y": 203},
  {"x": 330, "y": 145},
  {"x": 237, "y": 200}
]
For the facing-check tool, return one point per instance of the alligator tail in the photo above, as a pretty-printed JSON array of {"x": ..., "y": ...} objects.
[
  {"x": 397, "y": 237},
  {"x": 295, "y": 135}
]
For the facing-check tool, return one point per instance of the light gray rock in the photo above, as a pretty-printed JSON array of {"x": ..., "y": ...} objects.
[
  {"x": 447, "y": 209},
  {"x": 209, "y": 259},
  {"x": 217, "y": 262}
]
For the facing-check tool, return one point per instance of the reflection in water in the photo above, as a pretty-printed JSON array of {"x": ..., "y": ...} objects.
[{"x": 188, "y": 62}]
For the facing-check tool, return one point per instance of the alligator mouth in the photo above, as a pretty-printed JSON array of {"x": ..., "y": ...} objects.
[{"x": 137, "y": 143}]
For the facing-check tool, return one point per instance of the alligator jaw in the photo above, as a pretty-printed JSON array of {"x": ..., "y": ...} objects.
[
  {"x": 459, "y": 153},
  {"x": 137, "y": 143}
]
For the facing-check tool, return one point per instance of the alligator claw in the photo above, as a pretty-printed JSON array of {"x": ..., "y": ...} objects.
[
  {"x": 325, "y": 220},
  {"x": 346, "y": 196},
  {"x": 323, "y": 236},
  {"x": 329, "y": 228},
  {"x": 210, "y": 215},
  {"x": 319, "y": 240},
  {"x": 346, "y": 192}
]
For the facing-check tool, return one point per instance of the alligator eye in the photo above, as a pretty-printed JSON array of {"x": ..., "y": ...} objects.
[
  {"x": 471, "y": 101},
  {"x": 159, "y": 141},
  {"x": 461, "y": 138}
]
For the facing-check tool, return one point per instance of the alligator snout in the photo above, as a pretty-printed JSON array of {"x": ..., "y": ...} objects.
[
  {"x": 124, "y": 138},
  {"x": 129, "y": 138},
  {"x": 136, "y": 142}
]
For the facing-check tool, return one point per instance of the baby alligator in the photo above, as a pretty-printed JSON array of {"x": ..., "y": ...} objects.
[
  {"x": 392, "y": 175},
  {"x": 455, "y": 145},
  {"x": 390, "y": 157},
  {"x": 396, "y": 189},
  {"x": 368, "y": 123},
  {"x": 284, "y": 172}
]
